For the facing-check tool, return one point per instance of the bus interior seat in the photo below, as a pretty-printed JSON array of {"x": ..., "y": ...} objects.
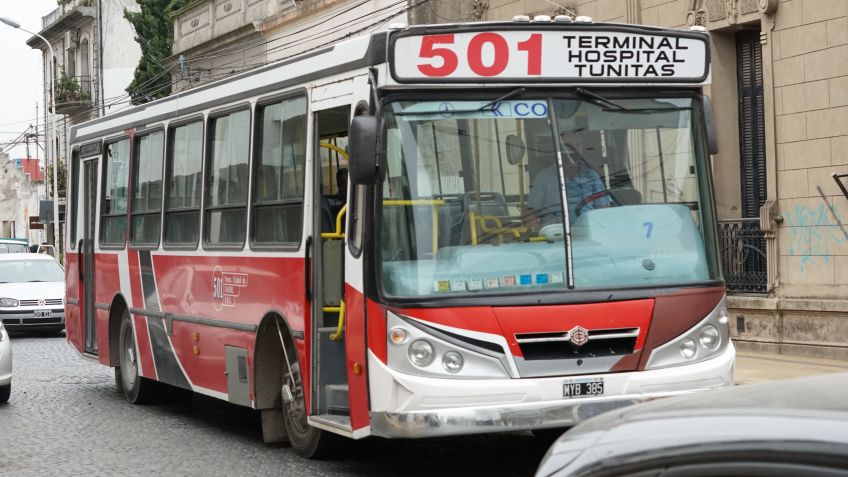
[
  {"x": 455, "y": 217},
  {"x": 626, "y": 196}
]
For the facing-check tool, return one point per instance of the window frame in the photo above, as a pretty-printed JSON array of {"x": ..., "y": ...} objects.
[
  {"x": 133, "y": 176},
  {"x": 208, "y": 152},
  {"x": 104, "y": 170},
  {"x": 254, "y": 163},
  {"x": 166, "y": 181}
]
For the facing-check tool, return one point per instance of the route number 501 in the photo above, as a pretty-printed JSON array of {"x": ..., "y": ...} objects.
[{"x": 435, "y": 46}]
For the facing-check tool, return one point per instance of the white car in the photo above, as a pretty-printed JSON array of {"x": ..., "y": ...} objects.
[
  {"x": 32, "y": 290},
  {"x": 9, "y": 245},
  {"x": 5, "y": 365}
]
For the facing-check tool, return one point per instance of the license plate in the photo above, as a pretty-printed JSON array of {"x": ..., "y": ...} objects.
[
  {"x": 583, "y": 388},
  {"x": 43, "y": 313}
]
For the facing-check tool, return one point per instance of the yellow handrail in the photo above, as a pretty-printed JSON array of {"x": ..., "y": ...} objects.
[
  {"x": 333, "y": 147},
  {"x": 339, "y": 233},
  {"x": 341, "y": 311},
  {"x": 435, "y": 203}
]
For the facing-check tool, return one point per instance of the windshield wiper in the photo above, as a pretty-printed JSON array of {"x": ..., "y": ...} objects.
[
  {"x": 599, "y": 99},
  {"x": 33, "y": 281},
  {"x": 613, "y": 106},
  {"x": 490, "y": 106}
]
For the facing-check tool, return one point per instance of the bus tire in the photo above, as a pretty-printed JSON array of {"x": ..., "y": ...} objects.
[
  {"x": 5, "y": 392},
  {"x": 307, "y": 441},
  {"x": 136, "y": 389}
]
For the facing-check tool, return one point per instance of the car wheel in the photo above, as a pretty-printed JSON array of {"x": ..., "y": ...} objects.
[
  {"x": 5, "y": 392},
  {"x": 136, "y": 389},
  {"x": 307, "y": 441}
]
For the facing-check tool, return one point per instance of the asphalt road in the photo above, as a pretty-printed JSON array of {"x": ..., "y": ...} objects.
[{"x": 66, "y": 418}]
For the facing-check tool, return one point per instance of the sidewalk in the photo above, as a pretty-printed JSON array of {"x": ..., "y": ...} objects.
[{"x": 758, "y": 367}]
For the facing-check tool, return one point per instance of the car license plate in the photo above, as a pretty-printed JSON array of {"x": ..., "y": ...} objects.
[
  {"x": 43, "y": 313},
  {"x": 588, "y": 387}
]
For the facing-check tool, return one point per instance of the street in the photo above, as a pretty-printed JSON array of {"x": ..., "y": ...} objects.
[{"x": 65, "y": 418}]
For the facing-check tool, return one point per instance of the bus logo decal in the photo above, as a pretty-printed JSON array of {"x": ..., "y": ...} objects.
[
  {"x": 226, "y": 287},
  {"x": 578, "y": 336}
]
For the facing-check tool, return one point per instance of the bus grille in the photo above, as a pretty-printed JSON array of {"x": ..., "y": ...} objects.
[{"x": 558, "y": 345}]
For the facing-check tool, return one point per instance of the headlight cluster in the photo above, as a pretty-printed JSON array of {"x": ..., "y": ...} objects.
[
  {"x": 705, "y": 340},
  {"x": 8, "y": 302},
  {"x": 413, "y": 350}
]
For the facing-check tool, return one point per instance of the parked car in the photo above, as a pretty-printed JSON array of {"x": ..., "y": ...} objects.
[
  {"x": 5, "y": 365},
  {"x": 32, "y": 287},
  {"x": 13, "y": 245},
  {"x": 796, "y": 427}
]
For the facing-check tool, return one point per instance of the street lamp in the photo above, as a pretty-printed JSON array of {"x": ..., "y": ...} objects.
[{"x": 17, "y": 25}]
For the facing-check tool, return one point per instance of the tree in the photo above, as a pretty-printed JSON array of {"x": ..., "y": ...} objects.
[
  {"x": 60, "y": 180},
  {"x": 154, "y": 32}
]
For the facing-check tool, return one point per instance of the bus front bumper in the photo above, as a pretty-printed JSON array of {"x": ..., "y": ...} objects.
[{"x": 555, "y": 413}]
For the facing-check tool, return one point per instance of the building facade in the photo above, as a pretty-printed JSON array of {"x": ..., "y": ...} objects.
[
  {"x": 217, "y": 38},
  {"x": 94, "y": 60}
]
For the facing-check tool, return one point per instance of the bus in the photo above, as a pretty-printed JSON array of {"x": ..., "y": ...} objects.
[{"x": 424, "y": 231}]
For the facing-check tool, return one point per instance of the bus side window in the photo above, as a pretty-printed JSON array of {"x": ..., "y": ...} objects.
[
  {"x": 182, "y": 203},
  {"x": 279, "y": 168},
  {"x": 147, "y": 189},
  {"x": 113, "y": 222},
  {"x": 226, "y": 192}
]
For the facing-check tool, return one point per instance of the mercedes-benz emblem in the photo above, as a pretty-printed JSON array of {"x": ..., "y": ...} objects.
[
  {"x": 42, "y": 302},
  {"x": 578, "y": 336}
]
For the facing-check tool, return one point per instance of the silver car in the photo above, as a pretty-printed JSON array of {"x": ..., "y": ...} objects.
[
  {"x": 32, "y": 290},
  {"x": 5, "y": 365}
]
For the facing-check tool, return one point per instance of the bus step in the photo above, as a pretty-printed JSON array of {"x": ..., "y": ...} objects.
[{"x": 337, "y": 399}]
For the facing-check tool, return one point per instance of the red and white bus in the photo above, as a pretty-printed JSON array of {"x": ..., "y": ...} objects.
[{"x": 528, "y": 238}]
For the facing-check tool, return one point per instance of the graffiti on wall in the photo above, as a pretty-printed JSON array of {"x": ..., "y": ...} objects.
[{"x": 815, "y": 232}]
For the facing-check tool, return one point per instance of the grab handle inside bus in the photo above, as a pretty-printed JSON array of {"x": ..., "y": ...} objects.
[
  {"x": 80, "y": 251},
  {"x": 364, "y": 165},
  {"x": 307, "y": 268}
]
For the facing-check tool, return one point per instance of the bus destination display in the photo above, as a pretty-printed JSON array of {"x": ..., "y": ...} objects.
[{"x": 574, "y": 56}]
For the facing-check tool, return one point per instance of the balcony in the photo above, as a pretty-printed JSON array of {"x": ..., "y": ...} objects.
[
  {"x": 69, "y": 15},
  {"x": 73, "y": 94},
  {"x": 743, "y": 255}
]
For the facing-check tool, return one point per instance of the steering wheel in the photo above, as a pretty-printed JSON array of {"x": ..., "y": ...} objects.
[{"x": 591, "y": 198}]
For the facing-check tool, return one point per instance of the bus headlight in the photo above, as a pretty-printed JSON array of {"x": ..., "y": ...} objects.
[
  {"x": 688, "y": 348},
  {"x": 421, "y": 353},
  {"x": 8, "y": 302},
  {"x": 710, "y": 337},
  {"x": 419, "y": 348},
  {"x": 452, "y": 361},
  {"x": 703, "y": 341}
]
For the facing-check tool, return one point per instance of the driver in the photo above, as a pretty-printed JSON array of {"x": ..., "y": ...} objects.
[{"x": 581, "y": 184}]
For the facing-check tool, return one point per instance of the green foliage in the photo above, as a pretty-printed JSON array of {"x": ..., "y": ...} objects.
[
  {"x": 68, "y": 88},
  {"x": 154, "y": 32},
  {"x": 61, "y": 179}
]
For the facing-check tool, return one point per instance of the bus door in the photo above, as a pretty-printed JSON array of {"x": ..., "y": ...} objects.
[
  {"x": 89, "y": 208},
  {"x": 330, "y": 402}
]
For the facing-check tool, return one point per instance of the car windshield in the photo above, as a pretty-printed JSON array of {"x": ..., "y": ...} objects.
[
  {"x": 8, "y": 247},
  {"x": 20, "y": 271},
  {"x": 473, "y": 203}
]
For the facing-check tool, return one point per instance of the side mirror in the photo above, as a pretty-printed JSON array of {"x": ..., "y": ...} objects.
[
  {"x": 515, "y": 149},
  {"x": 363, "y": 164},
  {"x": 712, "y": 135}
]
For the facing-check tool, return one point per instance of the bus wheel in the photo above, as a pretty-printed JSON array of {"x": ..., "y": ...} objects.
[
  {"x": 136, "y": 388},
  {"x": 307, "y": 441}
]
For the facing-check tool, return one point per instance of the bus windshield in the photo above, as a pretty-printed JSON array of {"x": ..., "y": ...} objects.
[{"x": 472, "y": 200}]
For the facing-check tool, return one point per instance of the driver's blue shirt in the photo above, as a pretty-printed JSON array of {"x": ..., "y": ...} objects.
[{"x": 544, "y": 194}]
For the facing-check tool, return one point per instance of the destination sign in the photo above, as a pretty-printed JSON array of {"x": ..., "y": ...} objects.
[{"x": 583, "y": 56}]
